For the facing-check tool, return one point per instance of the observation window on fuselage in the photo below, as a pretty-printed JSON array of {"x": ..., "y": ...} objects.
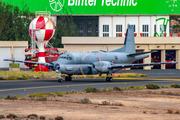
[
  {"x": 64, "y": 57},
  {"x": 69, "y": 58}
]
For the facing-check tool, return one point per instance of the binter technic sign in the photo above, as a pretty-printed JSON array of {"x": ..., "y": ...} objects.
[{"x": 102, "y": 7}]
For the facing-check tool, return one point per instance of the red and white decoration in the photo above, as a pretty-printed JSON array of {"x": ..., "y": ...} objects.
[{"x": 42, "y": 30}]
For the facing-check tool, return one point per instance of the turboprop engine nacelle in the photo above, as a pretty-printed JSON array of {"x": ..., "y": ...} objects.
[{"x": 102, "y": 66}]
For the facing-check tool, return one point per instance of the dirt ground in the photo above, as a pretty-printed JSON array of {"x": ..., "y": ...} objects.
[{"x": 123, "y": 105}]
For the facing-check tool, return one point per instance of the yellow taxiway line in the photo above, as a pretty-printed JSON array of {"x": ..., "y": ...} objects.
[
  {"x": 76, "y": 85},
  {"x": 147, "y": 79}
]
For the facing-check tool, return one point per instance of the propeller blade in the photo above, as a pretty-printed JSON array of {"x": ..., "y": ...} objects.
[
  {"x": 99, "y": 59},
  {"x": 82, "y": 72},
  {"x": 85, "y": 56}
]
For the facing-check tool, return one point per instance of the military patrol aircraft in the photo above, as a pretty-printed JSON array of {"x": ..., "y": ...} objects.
[{"x": 106, "y": 62}]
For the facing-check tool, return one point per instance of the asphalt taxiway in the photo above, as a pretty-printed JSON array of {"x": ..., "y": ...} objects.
[{"x": 24, "y": 87}]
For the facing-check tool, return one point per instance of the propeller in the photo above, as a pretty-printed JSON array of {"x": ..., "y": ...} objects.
[{"x": 92, "y": 65}]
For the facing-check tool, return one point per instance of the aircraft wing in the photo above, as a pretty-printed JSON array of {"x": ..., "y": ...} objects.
[
  {"x": 139, "y": 65},
  {"x": 21, "y": 61}
]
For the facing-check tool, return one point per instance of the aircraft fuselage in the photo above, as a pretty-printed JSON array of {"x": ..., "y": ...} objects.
[{"x": 79, "y": 63}]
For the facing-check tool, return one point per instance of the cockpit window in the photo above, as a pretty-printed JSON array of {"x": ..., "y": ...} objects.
[
  {"x": 69, "y": 58},
  {"x": 66, "y": 57}
]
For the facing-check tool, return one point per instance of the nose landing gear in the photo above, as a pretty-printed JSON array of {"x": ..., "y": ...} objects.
[{"x": 59, "y": 76}]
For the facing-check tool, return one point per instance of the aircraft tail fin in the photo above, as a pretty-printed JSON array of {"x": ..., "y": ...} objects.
[{"x": 129, "y": 43}]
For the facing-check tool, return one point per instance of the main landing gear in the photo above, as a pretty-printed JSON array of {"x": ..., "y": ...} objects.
[
  {"x": 68, "y": 78},
  {"x": 109, "y": 79}
]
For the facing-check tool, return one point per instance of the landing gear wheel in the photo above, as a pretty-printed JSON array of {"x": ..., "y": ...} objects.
[
  {"x": 60, "y": 80},
  {"x": 107, "y": 79},
  {"x": 70, "y": 78},
  {"x": 110, "y": 79},
  {"x": 67, "y": 78}
]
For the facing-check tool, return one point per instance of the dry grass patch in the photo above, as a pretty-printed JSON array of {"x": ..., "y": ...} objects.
[
  {"x": 169, "y": 111},
  {"x": 24, "y": 75}
]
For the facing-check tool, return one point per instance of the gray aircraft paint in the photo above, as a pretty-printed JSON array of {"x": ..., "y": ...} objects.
[
  {"x": 106, "y": 62},
  {"x": 81, "y": 62}
]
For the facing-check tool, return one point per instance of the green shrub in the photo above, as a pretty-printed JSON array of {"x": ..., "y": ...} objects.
[
  {"x": 105, "y": 103},
  {"x": 63, "y": 76},
  {"x": 139, "y": 87},
  {"x": 22, "y": 78},
  {"x": 85, "y": 101},
  {"x": 115, "y": 88},
  {"x": 14, "y": 65},
  {"x": 166, "y": 86},
  {"x": 15, "y": 97},
  {"x": 2, "y": 116},
  {"x": 72, "y": 91},
  {"x": 42, "y": 99},
  {"x": 40, "y": 95},
  {"x": 131, "y": 87},
  {"x": 176, "y": 112},
  {"x": 169, "y": 111},
  {"x": 91, "y": 76},
  {"x": 59, "y": 118},
  {"x": 152, "y": 86},
  {"x": 42, "y": 118},
  {"x": 117, "y": 104},
  {"x": 66, "y": 92},
  {"x": 2, "y": 78},
  {"x": 103, "y": 90},
  {"x": 32, "y": 115},
  {"x": 91, "y": 89},
  {"x": 108, "y": 89},
  {"x": 175, "y": 85},
  {"x": 12, "y": 116},
  {"x": 124, "y": 88},
  {"x": 56, "y": 94},
  {"x": 11, "y": 78},
  {"x": 142, "y": 75}
]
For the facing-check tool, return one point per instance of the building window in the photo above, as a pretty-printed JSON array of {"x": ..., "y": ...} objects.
[
  {"x": 162, "y": 30},
  {"x": 80, "y": 28},
  {"x": 89, "y": 29},
  {"x": 145, "y": 30},
  {"x": 118, "y": 30},
  {"x": 105, "y": 30},
  {"x": 97, "y": 29},
  {"x": 154, "y": 30},
  {"x": 134, "y": 27}
]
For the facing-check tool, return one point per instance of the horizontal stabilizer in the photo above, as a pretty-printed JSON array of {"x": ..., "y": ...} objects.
[{"x": 141, "y": 53}]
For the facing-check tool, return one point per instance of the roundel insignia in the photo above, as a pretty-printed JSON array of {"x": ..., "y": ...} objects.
[
  {"x": 112, "y": 61},
  {"x": 56, "y": 5}
]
